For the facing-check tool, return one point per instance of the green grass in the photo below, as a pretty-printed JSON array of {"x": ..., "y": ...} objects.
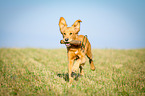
[{"x": 44, "y": 72}]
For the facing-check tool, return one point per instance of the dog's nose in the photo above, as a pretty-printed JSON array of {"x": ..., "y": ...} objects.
[{"x": 66, "y": 39}]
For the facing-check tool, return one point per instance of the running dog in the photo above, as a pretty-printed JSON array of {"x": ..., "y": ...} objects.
[{"x": 75, "y": 52}]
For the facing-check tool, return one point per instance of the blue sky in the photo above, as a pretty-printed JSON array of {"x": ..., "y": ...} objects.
[{"x": 117, "y": 24}]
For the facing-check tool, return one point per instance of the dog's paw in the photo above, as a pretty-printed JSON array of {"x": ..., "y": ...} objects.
[
  {"x": 70, "y": 79},
  {"x": 73, "y": 74},
  {"x": 93, "y": 68},
  {"x": 82, "y": 73}
]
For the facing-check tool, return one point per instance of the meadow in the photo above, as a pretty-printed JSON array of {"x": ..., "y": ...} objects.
[{"x": 29, "y": 71}]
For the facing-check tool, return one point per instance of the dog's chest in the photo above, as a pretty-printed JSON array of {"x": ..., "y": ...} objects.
[{"x": 76, "y": 52}]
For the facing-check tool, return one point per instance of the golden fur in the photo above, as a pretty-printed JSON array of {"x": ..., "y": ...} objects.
[{"x": 75, "y": 53}]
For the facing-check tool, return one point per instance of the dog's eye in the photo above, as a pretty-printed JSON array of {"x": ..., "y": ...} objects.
[
  {"x": 70, "y": 33},
  {"x": 64, "y": 33}
]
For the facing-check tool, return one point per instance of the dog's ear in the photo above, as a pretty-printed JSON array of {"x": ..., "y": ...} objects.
[
  {"x": 62, "y": 24},
  {"x": 76, "y": 26}
]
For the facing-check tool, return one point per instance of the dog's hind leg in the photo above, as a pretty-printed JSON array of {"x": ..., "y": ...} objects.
[
  {"x": 81, "y": 70},
  {"x": 80, "y": 61},
  {"x": 76, "y": 65},
  {"x": 89, "y": 55}
]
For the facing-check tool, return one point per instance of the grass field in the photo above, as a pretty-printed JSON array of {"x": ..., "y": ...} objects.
[{"x": 44, "y": 72}]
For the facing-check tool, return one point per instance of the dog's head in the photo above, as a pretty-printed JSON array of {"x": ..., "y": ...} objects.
[{"x": 69, "y": 33}]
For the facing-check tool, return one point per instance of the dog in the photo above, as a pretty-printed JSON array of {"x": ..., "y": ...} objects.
[{"x": 76, "y": 54}]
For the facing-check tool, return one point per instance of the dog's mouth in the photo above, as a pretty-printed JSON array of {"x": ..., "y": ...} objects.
[{"x": 68, "y": 45}]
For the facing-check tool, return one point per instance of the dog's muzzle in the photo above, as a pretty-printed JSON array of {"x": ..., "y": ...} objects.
[{"x": 68, "y": 45}]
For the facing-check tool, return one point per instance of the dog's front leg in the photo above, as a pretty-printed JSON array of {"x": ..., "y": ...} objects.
[{"x": 70, "y": 65}]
